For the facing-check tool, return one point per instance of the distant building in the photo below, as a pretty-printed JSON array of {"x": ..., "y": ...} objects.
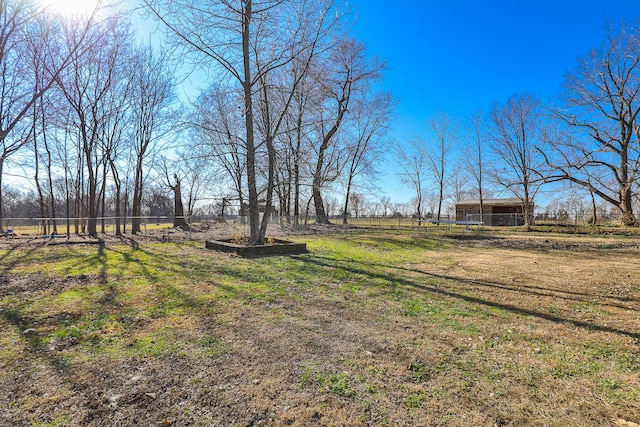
[{"x": 497, "y": 212}]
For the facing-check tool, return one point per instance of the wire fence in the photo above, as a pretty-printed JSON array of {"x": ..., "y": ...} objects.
[
  {"x": 60, "y": 226},
  {"x": 52, "y": 227},
  {"x": 449, "y": 224}
]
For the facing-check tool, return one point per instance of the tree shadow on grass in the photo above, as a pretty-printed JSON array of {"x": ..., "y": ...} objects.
[
  {"x": 367, "y": 269},
  {"x": 8, "y": 266},
  {"x": 533, "y": 290},
  {"x": 30, "y": 325}
]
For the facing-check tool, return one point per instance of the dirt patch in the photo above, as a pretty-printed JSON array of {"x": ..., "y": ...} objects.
[{"x": 24, "y": 286}]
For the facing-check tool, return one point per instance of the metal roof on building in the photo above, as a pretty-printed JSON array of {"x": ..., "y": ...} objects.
[{"x": 490, "y": 202}]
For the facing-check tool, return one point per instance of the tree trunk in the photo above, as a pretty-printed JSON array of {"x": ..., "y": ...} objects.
[
  {"x": 103, "y": 199},
  {"x": 321, "y": 214},
  {"x": 67, "y": 192},
  {"x": 52, "y": 200},
  {"x": 118, "y": 210},
  {"x": 125, "y": 206},
  {"x": 626, "y": 207},
  {"x": 118, "y": 185},
  {"x": 1, "y": 204},
  {"x": 270, "y": 183},
  {"x": 528, "y": 207},
  {"x": 179, "y": 219},
  {"x": 92, "y": 223},
  {"x": 224, "y": 205},
  {"x": 345, "y": 211},
  {"x": 296, "y": 194},
  {"x": 136, "y": 208},
  {"x": 36, "y": 177},
  {"x": 254, "y": 213},
  {"x": 440, "y": 198}
]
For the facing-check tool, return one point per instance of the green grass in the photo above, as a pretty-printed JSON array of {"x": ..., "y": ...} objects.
[
  {"x": 415, "y": 400},
  {"x": 341, "y": 384}
]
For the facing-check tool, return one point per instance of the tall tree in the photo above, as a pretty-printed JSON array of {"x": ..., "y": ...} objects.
[
  {"x": 516, "y": 133},
  {"x": 278, "y": 91},
  {"x": 118, "y": 108},
  {"x": 87, "y": 90},
  {"x": 369, "y": 124},
  {"x": 437, "y": 154},
  {"x": 297, "y": 146},
  {"x": 600, "y": 149},
  {"x": 248, "y": 40},
  {"x": 41, "y": 123},
  {"x": 411, "y": 161},
  {"x": 152, "y": 91},
  {"x": 19, "y": 89},
  {"x": 217, "y": 134},
  {"x": 346, "y": 74},
  {"x": 474, "y": 153}
]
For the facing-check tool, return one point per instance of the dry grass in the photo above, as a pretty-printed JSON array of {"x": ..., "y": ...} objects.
[{"x": 367, "y": 329}]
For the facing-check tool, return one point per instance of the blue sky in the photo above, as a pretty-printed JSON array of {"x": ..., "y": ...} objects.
[{"x": 460, "y": 56}]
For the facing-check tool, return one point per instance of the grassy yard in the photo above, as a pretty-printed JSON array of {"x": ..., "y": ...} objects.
[{"x": 369, "y": 328}]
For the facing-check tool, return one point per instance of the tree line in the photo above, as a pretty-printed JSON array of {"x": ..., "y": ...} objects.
[
  {"x": 288, "y": 107},
  {"x": 588, "y": 138},
  {"x": 81, "y": 103}
]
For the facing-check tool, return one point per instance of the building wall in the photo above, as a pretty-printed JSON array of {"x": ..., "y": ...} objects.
[
  {"x": 463, "y": 212},
  {"x": 502, "y": 215}
]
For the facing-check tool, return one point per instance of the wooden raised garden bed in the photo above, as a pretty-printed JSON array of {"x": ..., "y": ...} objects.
[{"x": 275, "y": 247}]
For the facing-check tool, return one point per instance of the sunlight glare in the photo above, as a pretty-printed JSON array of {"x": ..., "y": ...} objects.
[{"x": 71, "y": 8}]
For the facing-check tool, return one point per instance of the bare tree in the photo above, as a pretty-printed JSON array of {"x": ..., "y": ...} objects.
[
  {"x": 368, "y": 125},
  {"x": 600, "y": 150},
  {"x": 117, "y": 109},
  {"x": 385, "y": 202},
  {"x": 473, "y": 158},
  {"x": 172, "y": 178},
  {"x": 347, "y": 73},
  {"x": 437, "y": 153},
  {"x": 357, "y": 201},
  {"x": 199, "y": 179},
  {"x": 152, "y": 92},
  {"x": 41, "y": 123},
  {"x": 87, "y": 90},
  {"x": 516, "y": 137},
  {"x": 19, "y": 90},
  {"x": 249, "y": 41},
  {"x": 278, "y": 92},
  {"x": 295, "y": 143},
  {"x": 411, "y": 163},
  {"x": 459, "y": 183},
  {"x": 65, "y": 152},
  {"x": 216, "y": 132}
]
